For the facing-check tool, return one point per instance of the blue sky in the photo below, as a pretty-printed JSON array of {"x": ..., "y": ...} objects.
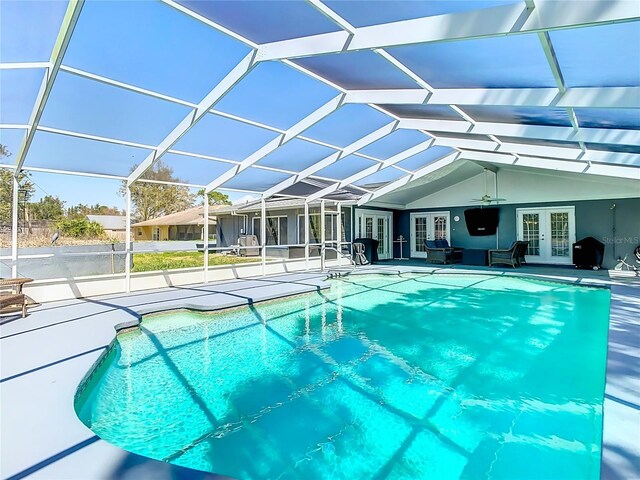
[{"x": 153, "y": 46}]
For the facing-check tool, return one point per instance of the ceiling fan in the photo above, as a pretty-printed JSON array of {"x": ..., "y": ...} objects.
[{"x": 487, "y": 199}]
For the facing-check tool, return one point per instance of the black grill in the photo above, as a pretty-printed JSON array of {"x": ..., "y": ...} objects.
[{"x": 588, "y": 253}]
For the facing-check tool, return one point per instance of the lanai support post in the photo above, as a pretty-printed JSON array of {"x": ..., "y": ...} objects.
[
  {"x": 263, "y": 233},
  {"x": 127, "y": 239},
  {"x": 206, "y": 237},
  {"x": 14, "y": 228},
  {"x": 306, "y": 236},
  {"x": 322, "y": 235}
]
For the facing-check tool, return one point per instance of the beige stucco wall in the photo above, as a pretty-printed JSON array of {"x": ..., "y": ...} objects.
[{"x": 146, "y": 233}]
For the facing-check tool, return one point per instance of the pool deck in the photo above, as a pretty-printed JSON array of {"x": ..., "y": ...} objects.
[{"x": 45, "y": 356}]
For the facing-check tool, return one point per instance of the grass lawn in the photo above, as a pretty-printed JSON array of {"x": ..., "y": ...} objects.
[{"x": 147, "y": 262}]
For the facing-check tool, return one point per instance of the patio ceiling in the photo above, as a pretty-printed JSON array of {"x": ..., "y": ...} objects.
[{"x": 256, "y": 96}]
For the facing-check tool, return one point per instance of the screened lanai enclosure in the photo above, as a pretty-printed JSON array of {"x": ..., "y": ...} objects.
[{"x": 331, "y": 105}]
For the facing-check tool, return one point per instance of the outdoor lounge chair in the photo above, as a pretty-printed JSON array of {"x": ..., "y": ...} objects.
[
  {"x": 506, "y": 257},
  {"x": 439, "y": 251}
]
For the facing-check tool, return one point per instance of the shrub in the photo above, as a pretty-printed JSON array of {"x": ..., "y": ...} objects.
[{"x": 80, "y": 228}]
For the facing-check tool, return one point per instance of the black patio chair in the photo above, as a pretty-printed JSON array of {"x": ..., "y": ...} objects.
[{"x": 439, "y": 251}]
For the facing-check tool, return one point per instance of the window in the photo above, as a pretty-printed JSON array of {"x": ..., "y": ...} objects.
[
  {"x": 315, "y": 235},
  {"x": 276, "y": 230}
]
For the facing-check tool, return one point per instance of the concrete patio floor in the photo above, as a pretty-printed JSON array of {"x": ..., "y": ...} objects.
[{"x": 45, "y": 356}]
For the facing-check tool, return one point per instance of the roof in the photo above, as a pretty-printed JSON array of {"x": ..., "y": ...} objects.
[
  {"x": 110, "y": 222},
  {"x": 350, "y": 93},
  {"x": 191, "y": 216}
]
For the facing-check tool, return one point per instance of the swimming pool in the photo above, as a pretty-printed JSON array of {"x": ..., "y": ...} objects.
[{"x": 411, "y": 376}]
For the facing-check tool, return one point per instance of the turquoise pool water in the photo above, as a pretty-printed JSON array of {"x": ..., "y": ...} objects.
[{"x": 412, "y": 376}]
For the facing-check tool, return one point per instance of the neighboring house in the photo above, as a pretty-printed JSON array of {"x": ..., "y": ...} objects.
[
  {"x": 285, "y": 225},
  {"x": 185, "y": 225},
  {"x": 113, "y": 225}
]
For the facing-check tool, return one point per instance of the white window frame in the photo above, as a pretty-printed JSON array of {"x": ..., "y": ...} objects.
[{"x": 279, "y": 217}]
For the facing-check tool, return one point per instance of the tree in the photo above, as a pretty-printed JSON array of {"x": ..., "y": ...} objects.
[
  {"x": 79, "y": 228},
  {"x": 215, "y": 198},
  {"x": 82, "y": 210},
  {"x": 6, "y": 188},
  {"x": 152, "y": 200},
  {"x": 48, "y": 208}
]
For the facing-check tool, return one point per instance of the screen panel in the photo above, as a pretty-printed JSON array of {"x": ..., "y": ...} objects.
[
  {"x": 276, "y": 95},
  {"x": 538, "y": 142},
  {"x": 11, "y": 139},
  {"x": 516, "y": 61},
  {"x": 437, "y": 112},
  {"x": 345, "y": 167},
  {"x": 28, "y": 30},
  {"x": 91, "y": 107},
  {"x": 18, "y": 94},
  {"x": 225, "y": 138},
  {"x": 193, "y": 170},
  {"x": 600, "y": 56},
  {"x": 153, "y": 46},
  {"x": 520, "y": 115},
  {"x": 264, "y": 22},
  {"x": 624, "y": 118},
  {"x": 63, "y": 152},
  {"x": 394, "y": 143},
  {"x": 382, "y": 177},
  {"x": 362, "y": 14},
  {"x": 635, "y": 149},
  {"x": 424, "y": 158},
  {"x": 255, "y": 180},
  {"x": 348, "y": 124},
  {"x": 362, "y": 69},
  {"x": 296, "y": 155}
]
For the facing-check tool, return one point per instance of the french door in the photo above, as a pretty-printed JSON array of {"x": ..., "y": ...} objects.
[
  {"x": 550, "y": 232},
  {"x": 377, "y": 225},
  {"x": 428, "y": 226}
]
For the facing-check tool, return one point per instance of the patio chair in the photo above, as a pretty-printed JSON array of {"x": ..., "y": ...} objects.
[
  {"x": 439, "y": 251},
  {"x": 505, "y": 257}
]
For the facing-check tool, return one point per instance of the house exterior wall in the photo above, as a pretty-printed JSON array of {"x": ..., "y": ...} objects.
[
  {"x": 146, "y": 232},
  {"x": 229, "y": 227},
  {"x": 594, "y": 218},
  {"x": 171, "y": 232}
]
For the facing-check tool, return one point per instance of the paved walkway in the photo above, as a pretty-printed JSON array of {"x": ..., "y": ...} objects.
[{"x": 45, "y": 356}]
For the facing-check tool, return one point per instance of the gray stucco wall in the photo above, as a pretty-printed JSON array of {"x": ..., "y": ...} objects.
[{"x": 594, "y": 218}]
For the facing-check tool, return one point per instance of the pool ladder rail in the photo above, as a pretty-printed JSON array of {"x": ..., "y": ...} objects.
[{"x": 338, "y": 272}]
